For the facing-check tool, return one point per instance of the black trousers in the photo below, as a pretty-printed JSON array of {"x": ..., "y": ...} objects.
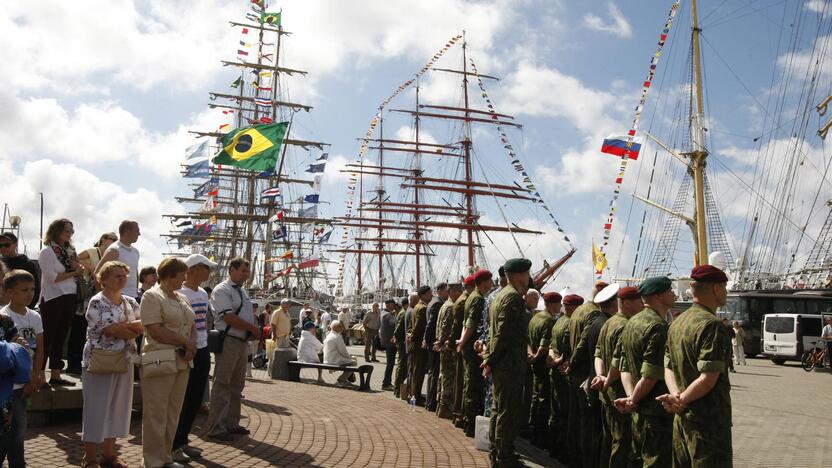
[
  {"x": 57, "y": 317},
  {"x": 390, "y": 352},
  {"x": 193, "y": 396},
  {"x": 75, "y": 346},
  {"x": 433, "y": 379}
]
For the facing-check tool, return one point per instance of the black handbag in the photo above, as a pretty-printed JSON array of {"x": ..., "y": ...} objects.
[{"x": 216, "y": 338}]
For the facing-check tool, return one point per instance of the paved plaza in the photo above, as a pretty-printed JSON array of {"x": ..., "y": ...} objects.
[{"x": 779, "y": 421}]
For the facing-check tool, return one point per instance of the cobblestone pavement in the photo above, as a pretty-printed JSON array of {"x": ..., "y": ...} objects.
[{"x": 778, "y": 421}]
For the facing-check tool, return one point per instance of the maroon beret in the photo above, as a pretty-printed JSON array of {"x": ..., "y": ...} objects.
[
  {"x": 573, "y": 299},
  {"x": 628, "y": 292},
  {"x": 481, "y": 275},
  {"x": 708, "y": 274},
  {"x": 469, "y": 280},
  {"x": 551, "y": 297}
]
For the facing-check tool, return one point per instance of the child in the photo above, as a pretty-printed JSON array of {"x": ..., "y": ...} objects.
[{"x": 19, "y": 286}]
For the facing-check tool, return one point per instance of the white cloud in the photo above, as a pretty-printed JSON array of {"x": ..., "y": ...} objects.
[
  {"x": 617, "y": 24},
  {"x": 92, "y": 204},
  {"x": 818, "y": 6}
]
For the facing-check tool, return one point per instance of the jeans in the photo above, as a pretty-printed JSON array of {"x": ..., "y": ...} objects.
[
  {"x": 11, "y": 443},
  {"x": 390, "y": 351},
  {"x": 194, "y": 392}
]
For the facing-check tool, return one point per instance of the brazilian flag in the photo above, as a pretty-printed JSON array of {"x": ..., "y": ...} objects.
[
  {"x": 270, "y": 18},
  {"x": 255, "y": 148}
]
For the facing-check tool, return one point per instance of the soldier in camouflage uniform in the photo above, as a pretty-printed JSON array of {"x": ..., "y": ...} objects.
[
  {"x": 540, "y": 336},
  {"x": 505, "y": 360},
  {"x": 577, "y": 370},
  {"x": 444, "y": 346},
  {"x": 400, "y": 340},
  {"x": 418, "y": 354},
  {"x": 459, "y": 321},
  {"x": 472, "y": 399},
  {"x": 696, "y": 373},
  {"x": 640, "y": 360},
  {"x": 616, "y": 445},
  {"x": 561, "y": 395}
]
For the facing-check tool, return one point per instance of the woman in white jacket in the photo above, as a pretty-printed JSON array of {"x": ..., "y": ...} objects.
[{"x": 309, "y": 346}]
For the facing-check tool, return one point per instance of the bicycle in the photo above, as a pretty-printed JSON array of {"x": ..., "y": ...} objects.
[{"x": 813, "y": 357}]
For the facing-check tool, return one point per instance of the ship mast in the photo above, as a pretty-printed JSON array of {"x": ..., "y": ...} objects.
[
  {"x": 699, "y": 153},
  {"x": 466, "y": 152}
]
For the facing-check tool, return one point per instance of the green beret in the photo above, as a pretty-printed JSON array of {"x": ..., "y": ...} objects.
[
  {"x": 655, "y": 285},
  {"x": 517, "y": 265}
]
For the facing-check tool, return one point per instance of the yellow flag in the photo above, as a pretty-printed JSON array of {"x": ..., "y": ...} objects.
[{"x": 599, "y": 260}]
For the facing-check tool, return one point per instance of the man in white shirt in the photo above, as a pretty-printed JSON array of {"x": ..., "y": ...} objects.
[
  {"x": 826, "y": 335},
  {"x": 344, "y": 318},
  {"x": 124, "y": 252},
  {"x": 199, "y": 269},
  {"x": 234, "y": 315},
  {"x": 309, "y": 346},
  {"x": 335, "y": 352},
  {"x": 325, "y": 322}
]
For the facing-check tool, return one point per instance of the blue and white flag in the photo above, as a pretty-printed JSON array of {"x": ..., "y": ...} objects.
[
  {"x": 313, "y": 168},
  {"x": 325, "y": 238},
  {"x": 203, "y": 189},
  {"x": 200, "y": 169},
  {"x": 198, "y": 151},
  {"x": 314, "y": 198},
  {"x": 279, "y": 233},
  {"x": 311, "y": 212},
  {"x": 323, "y": 157}
]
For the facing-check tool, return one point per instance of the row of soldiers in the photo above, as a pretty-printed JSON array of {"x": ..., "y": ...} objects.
[{"x": 609, "y": 382}]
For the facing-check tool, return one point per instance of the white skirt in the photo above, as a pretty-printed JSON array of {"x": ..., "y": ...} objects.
[{"x": 108, "y": 400}]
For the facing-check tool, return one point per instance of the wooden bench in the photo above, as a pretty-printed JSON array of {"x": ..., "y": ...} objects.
[{"x": 364, "y": 372}]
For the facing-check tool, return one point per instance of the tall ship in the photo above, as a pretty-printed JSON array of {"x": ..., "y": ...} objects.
[
  {"x": 763, "y": 213},
  {"x": 255, "y": 181},
  {"x": 438, "y": 189}
]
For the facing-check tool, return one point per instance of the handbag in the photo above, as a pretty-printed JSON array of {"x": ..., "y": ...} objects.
[
  {"x": 159, "y": 363},
  {"x": 216, "y": 338},
  {"x": 110, "y": 361}
]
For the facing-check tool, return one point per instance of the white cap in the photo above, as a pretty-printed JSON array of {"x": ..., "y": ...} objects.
[
  {"x": 199, "y": 259},
  {"x": 284, "y": 301},
  {"x": 606, "y": 294}
]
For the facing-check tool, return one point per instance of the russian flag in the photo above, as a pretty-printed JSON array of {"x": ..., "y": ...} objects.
[{"x": 617, "y": 146}]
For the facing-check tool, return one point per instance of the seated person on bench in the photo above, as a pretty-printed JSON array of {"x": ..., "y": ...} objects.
[
  {"x": 309, "y": 347},
  {"x": 335, "y": 352}
]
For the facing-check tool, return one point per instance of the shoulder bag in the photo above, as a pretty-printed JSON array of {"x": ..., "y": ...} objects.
[
  {"x": 216, "y": 338},
  {"x": 110, "y": 361}
]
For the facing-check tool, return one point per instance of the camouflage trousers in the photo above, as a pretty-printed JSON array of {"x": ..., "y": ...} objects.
[
  {"x": 653, "y": 439},
  {"x": 472, "y": 398},
  {"x": 505, "y": 416},
  {"x": 558, "y": 413},
  {"x": 578, "y": 410},
  {"x": 698, "y": 445},
  {"x": 541, "y": 398},
  {"x": 447, "y": 375},
  {"x": 459, "y": 383},
  {"x": 617, "y": 448}
]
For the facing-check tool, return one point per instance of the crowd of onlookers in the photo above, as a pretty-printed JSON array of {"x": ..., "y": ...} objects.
[{"x": 120, "y": 323}]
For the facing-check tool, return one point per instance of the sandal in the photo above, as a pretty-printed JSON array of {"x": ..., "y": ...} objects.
[{"x": 114, "y": 462}]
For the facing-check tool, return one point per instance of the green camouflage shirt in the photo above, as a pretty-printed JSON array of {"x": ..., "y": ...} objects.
[
  {"x": 641, "y": 353},
  {"x": 540, "y": 330},
  {"x": 580, "y": 357},
  {"x": 400, "y": 332},
  {"x": 445, "y": 322},
  {"x": 560, "y": 337},
  {"x": 608, "y": 340},
  {"x": 459, "y": 316},
  {"x": 474, "y": 306},
  {"x": 508, "y": 334},
  {"x": 698, "y": 342}
]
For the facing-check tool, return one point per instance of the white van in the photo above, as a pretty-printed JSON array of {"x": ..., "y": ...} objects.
[{"x": 786, "y": 336}]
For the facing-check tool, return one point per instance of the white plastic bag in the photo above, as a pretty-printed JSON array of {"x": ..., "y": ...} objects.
[{"x": 481, "y": 441}]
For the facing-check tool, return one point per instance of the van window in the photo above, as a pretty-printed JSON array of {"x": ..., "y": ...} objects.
[
  {"x": 811, "y": 326},
  {"x": 779, "y": 324}
]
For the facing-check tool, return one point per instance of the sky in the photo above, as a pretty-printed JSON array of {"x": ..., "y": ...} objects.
[{"x": 98, "y": 97}]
